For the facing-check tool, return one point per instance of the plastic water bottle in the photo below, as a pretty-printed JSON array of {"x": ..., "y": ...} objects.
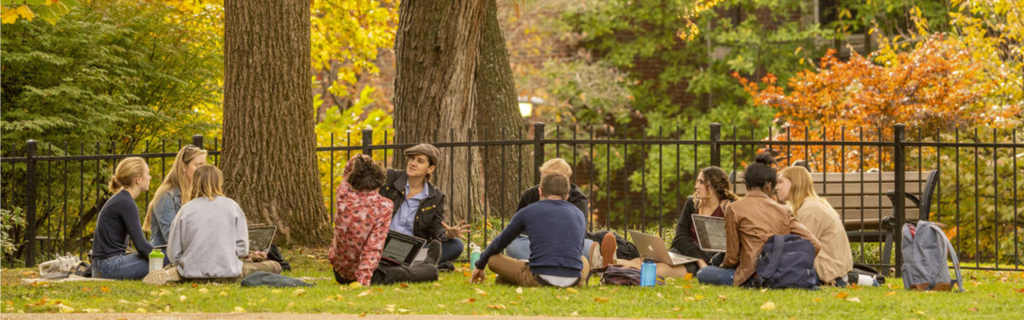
[
  {"x": 156, "y": 260},
  {"x": 474, "y": 254},
  {"x": 648, "y": 272}
]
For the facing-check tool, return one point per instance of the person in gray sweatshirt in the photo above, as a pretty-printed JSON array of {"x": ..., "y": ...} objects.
[{"x": 209, "y": 237}]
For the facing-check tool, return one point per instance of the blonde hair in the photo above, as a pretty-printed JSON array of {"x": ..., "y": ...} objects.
[
  {"x": 556, "y": 165},
  {"x": 802, "y": 187},
  {"x": 175, "y": 179},
  {"x": 207, "y": 182},
  {"x": 126, "y": 172}
]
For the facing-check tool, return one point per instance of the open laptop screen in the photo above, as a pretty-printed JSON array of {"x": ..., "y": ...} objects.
[{"x": 710, "y": 232}]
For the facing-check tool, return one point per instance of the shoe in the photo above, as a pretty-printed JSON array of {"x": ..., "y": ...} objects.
[
  {"x": 162, "y": 276},
  {"x": 596, "y": 261},
  {"x": 608, "y": 248},
  {"x": 446, "y": 266},
  {"x": 433, "y": 253}
]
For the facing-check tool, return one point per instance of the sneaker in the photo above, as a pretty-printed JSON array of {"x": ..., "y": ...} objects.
[
  {"x": 596, "y": 261},
  {"x": 608, "y": 248},
  {"x": 162, "y": 276},
  {"x": 433, "y": 253},
  {"x": 446, "y": 266}
]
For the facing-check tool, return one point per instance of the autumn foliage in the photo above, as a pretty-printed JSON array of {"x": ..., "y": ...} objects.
[{"x": 936, "y": 87}]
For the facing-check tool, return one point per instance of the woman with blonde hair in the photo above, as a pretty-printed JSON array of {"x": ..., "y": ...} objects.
[
  {"x": 175, "y": 191},
  {"x": 210, "y": 235},
  {"x": 118, "y": 220},
  {"x": 834, "y": 261}
]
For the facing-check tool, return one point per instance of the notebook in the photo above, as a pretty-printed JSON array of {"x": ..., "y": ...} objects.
[
  {"x": 710, "y": 232},
  {"x": 654, "y": 248}
]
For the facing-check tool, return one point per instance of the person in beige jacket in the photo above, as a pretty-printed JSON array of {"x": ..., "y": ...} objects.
[
  {"x": 749, "y": 222},
  {"x": 834, "y": 261}
]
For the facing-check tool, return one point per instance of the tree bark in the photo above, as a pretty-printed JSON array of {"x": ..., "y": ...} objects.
[
  {"x": 269, "y": 156},
  {"x": 453, "y": 78}
]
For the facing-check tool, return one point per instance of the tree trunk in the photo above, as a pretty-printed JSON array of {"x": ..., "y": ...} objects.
[
  {"x": 269, "y": 156},
  {"x": 498, "y": 115},
  {"x": 452, "y": 79}
]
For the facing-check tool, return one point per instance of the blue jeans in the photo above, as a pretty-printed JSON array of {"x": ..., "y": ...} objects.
[
  {"x": 451, "y": 249},
  {"x": 520, "y": 248},
  {"x": 716, "y": 275},
  {"x": 124, "y": 267}
]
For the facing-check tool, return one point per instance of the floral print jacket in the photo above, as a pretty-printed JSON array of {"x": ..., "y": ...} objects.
[{"x": 360, "y": 227}]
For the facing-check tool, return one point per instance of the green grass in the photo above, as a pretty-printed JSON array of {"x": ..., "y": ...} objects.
[{"x": 995, "y": 295}]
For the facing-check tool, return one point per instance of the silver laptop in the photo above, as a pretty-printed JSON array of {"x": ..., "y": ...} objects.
[
  {"x": 710, "y": 232},
  {"x": 654, "y": 248}
]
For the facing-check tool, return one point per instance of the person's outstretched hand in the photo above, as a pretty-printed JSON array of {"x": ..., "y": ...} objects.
[
  {"x": 458, "y": 231},
  {"x": 478, "y": 276}
]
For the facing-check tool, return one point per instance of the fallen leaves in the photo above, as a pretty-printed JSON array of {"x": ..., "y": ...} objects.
[
  {"x": 519, "y": 290},
  {"x": 890, "y": 293},
  {"x": 470, "y": 300},
  {"x": 299, "y": 292},
  {"x": 854, "y": 299},
  {"x": 182, "y": 298},
  {"x": 480, "y": 292},
  {"x": 497, "y": 306},
  {"x": 571, "y": 290},
  {"x": 768, "y": 306},
  {"x": 364, "y": 293},
  {"x": 842, "y": 295},
  {"x": 239, "y": 309},
  {"x": 601, "y": 299},
  {"x": 104, "y": 289}
]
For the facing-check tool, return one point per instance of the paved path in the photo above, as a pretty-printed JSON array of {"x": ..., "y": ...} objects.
[{"x": 239, "y": 316}]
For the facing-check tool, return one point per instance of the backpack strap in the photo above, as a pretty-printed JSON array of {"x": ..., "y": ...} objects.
[
  {"x": 959, "y": 281},
  {"x": 776, "y": 255}
]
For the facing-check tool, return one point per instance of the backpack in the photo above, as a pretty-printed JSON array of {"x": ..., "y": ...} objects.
[
  {"x": 787, "y": 262},
  {"x": 624, "y": 250},
  {"x": 620, "y": 275},
  {"x": 924, "y": 258}
]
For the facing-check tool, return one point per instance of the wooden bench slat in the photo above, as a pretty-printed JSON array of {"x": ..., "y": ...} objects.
[
  {"x": 850, "y": 188},
  {"x": 911, "y": 176}
]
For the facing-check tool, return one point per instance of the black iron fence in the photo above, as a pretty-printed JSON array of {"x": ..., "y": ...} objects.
[{"x": 635, "y": 180}]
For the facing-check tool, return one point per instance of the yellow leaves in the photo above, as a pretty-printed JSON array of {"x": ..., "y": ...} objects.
[
  {"x": 480, "y": 292},
  {"x": 519, "y": 290},
  {"x": 722, "y": 297},
  {"x": 336, "y": 297},
  {"x": 688, "y": 276},
  {"x": 239, "y": 309},
  {"x": 601, "y": 299},
  {"x": 26, "y": 13},
  {"x": 497, "y": 306},
  {"x": 354, "y": 285},
  {"x": 141, "y": 310},
  {"x": 203, "y": 290},
  {"x": 854, "y": 299},
  {"x": 299, "y": 292},
  {"x": 890, "y": 293},
  {"x": 364, "y": 293},
  {"x": 275, "y": 291},
  {"x": 571, "y": 290},
  {"x": 104, "y": 289},
  {"x": 470, "y": 300},
  {"x": 66, "y": 309},
  {"x": 768, "y": 306},
  {"x": 841, "y": 295},
  {"x": 182, "y": 298}
]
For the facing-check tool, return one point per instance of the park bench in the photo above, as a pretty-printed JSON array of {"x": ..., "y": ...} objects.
[{"x": 864, "y": 201}]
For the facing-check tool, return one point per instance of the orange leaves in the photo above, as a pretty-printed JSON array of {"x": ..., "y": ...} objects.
[{"x": 601, "y": 299}]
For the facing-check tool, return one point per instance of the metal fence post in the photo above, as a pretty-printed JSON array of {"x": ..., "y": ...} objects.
[
  {"x": 716, "y": 149},
  {"x": 899, "y": 135},
  {"x": 30, "y": 205},
  {"x": 367, "y": 141},
  {"x": 538, "y": 150},
  {"x": 197, "y": 140}
]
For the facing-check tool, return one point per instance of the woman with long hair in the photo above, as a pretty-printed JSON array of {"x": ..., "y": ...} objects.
[
  {"x": 749, "y": 222},
  {"x": 711, "y": 195},
  {"x": 175, "y": 191},
  {"x": 834, "y": 261},
  {"x": 210, "y": 235},
  {"x": 118, "y": 221}
]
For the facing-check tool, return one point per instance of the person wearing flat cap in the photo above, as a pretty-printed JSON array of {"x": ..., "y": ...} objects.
[{"x": 419, "y": 205}]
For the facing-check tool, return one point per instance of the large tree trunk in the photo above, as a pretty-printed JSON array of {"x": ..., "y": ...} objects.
[
  {"x": 269, "y": 157},
  {"x": 498, "y": 115},
  {"x": 453, "y": 76}
]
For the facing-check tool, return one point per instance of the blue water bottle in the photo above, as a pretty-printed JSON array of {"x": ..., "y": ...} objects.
[{"x": 648, "y": 273}]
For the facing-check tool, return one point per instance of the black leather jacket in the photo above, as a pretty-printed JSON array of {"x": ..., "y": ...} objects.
[{"x": 427, "y": 223}]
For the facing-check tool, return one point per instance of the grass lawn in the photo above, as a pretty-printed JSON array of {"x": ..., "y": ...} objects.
[{"x": 994, "y": 295}]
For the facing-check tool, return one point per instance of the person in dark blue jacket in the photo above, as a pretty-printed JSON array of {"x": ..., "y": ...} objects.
[
  {"x": 118, "y": 221},
  {"x": 556, "y": 229}
]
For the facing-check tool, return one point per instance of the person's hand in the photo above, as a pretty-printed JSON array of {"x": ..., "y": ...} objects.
[
  {"x": 458, "y": 231},
  {"x": 478, "y": 276},
  {"x": 257, "y": 256}
]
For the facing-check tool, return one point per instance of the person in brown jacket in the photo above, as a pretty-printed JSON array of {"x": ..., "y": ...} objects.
[{"x": 749, "y": 222}]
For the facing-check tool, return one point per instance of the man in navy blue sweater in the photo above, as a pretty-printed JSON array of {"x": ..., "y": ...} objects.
[{"x": 556, "y": 229}]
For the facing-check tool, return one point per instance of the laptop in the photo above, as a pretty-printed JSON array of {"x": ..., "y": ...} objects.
[
  {"x": 654, "y": 248},
  {"x": 710, "y": 232},
  {"x": 402, "y": 248},
  {"x": 261, "y": 237}
]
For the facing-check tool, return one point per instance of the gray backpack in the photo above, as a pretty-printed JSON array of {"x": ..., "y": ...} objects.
[{"x": 924, "y": 258}]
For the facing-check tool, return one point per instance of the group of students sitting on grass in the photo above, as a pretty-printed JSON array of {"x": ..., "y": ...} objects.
[{"x": 544, "y": 244}]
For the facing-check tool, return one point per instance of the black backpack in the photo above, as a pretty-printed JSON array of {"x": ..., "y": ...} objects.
[
  {"x": 625, "y": 250},
  {"x": 787, "y": 262}
]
